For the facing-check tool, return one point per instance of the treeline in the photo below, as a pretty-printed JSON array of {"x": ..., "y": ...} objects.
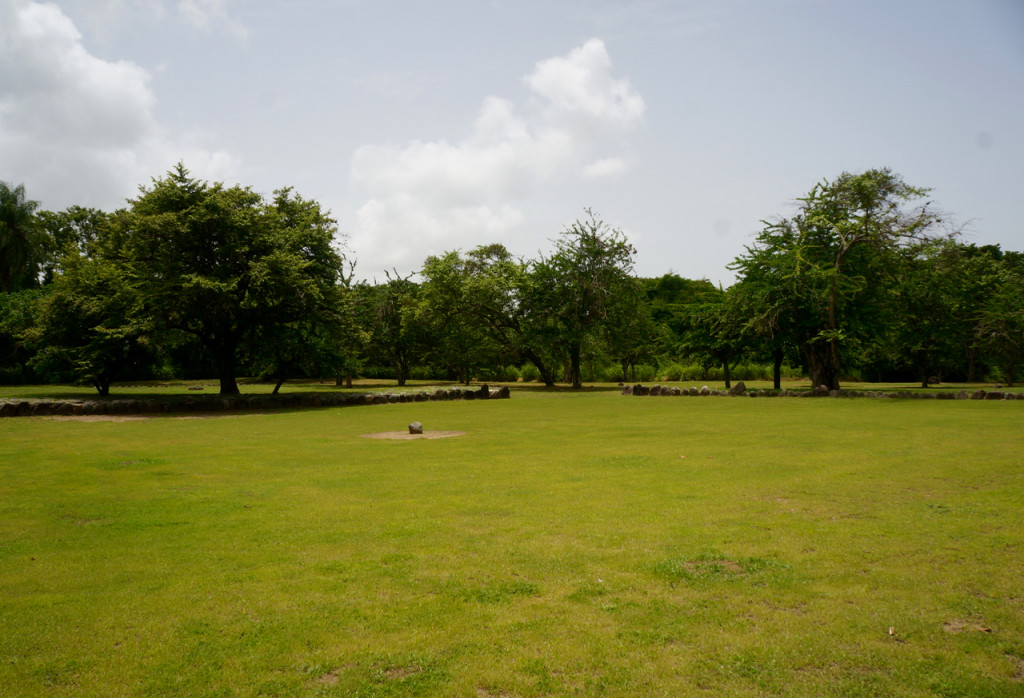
[{"x": 194, "y": 279}]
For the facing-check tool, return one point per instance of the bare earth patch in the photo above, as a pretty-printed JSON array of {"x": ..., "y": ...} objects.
[
  {"x": 960, "y": 626},
  {"x": 406, "y": 436}
]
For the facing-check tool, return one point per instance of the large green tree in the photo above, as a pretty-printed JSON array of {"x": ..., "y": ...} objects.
[
  {"x": 396, "y": 336},
  {"x": 222, "y": 264},
  {"x": 482, "y": 306},
  {"x": 579, "y": 286},
  {"x": 88, "y": 325},
  {"x": 312, "y": 340},
  {"x": 714, "y": 332},
  {"x": 833, "y": 257},
  {"x": 461, "y": 346}
]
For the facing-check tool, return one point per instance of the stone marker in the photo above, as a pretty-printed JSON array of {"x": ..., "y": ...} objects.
[{"x": 415, "y": 428}]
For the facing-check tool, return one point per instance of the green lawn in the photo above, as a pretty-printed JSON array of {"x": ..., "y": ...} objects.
[{"x": 567, "y": 544}]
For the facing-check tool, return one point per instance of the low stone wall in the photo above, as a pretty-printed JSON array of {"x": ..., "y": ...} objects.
[
  {"x": 218, "y": 403},
  {"x": 740, "y": 390}
]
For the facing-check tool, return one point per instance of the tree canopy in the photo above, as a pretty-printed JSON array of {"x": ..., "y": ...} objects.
[
  {"x": 223, "y": 265},
  {"x": 826, "y": 263},
  {"x": 193, "y": 278}
]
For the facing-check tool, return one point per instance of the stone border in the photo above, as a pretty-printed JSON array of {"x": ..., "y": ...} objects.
[
  {"x": 740, "y": 390},
  {"x": 217, "y": 403}
]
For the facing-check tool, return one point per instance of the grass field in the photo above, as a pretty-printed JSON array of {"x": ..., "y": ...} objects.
[{"x": 567, "y": 544}]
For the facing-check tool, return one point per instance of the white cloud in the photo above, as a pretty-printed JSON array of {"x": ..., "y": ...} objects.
[
  {"x": 581, "y": 84},
  {"x": 74, "y": 128},
  {"x": 427, "y": 197}
]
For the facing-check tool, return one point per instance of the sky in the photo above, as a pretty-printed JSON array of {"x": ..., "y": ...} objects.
[{"x": 426, "y": 127}]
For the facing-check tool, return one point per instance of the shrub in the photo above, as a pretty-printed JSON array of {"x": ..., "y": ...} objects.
[
  {"x": 672, "y": 372},
  {"x": 501, "y": 374},
  {"x": 646, "y": 373},
  {"x": 612, "y": 373},
  {"x": 529, "y": 373}
]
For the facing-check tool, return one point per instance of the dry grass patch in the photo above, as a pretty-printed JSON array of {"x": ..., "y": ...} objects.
[{"x": 406, "y": 436}]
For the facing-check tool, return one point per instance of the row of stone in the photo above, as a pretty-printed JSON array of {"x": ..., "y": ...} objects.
[
  {"x": 740, "y": 390},
  {"x": 215, "y": 403}
]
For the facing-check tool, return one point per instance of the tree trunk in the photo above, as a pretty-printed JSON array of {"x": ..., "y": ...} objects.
[
  {"x": 228, "y": 384},
  {"x": 833, "y": 365},
  {"x": 777, "y": 357},
  {"x": 224, "y": 351},
  {"x": 401, "y": 372},
  {"x": 831, "y": 369},
  {"x": 545, "y": 373},
  {"x": 278, "y": 386},
  {"x": 824, "y": 371},
  {"x": 726, "y": 371},
  {"x": 574, "y": 365},
  {"x": 102, "y": 385}
]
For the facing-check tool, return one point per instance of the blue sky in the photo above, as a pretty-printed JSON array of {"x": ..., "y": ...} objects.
[{"x": 427, "y": 127}]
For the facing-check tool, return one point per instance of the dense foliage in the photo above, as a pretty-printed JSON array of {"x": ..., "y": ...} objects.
[{"x": 197, "y": 279}]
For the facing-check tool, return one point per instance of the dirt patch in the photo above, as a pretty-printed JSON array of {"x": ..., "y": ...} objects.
[
  {"x": 401, "y": 672},
  {"x": 406, "y": 436},
  {"x": 961, "y": 626},
  {"x": 701, "y": 566},
  {"x": 329, "y": 679}
]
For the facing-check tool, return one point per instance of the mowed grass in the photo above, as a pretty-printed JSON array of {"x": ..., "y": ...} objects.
[{"x": 567, "y": 544}]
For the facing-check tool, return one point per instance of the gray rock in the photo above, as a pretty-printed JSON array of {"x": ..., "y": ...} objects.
[
  {"x": 415, "y": 428},
  {"x": 739, "y": 389}
]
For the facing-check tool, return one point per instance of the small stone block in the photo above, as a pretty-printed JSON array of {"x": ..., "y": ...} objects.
[{"x": 415, "y": 428}]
